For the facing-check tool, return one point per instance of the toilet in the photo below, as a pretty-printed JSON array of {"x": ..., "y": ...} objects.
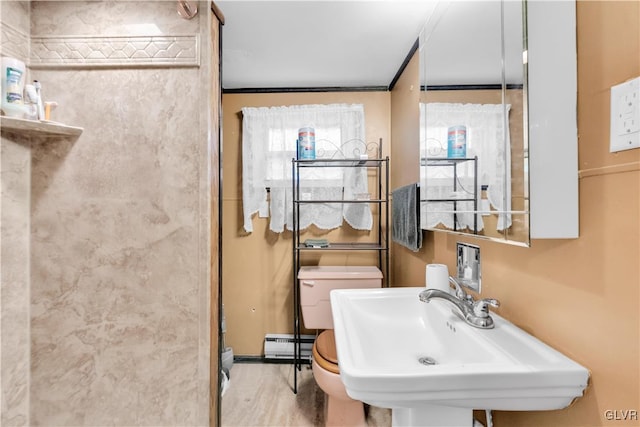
[{"x": 315, "y": 285}]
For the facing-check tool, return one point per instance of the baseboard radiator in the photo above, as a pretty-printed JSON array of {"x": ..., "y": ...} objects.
[{"x": 281, "y": 346}]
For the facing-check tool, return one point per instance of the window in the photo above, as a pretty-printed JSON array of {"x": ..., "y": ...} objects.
[
  {"x": 281, "y": 150},
  {"x": 269, "y": 143}
]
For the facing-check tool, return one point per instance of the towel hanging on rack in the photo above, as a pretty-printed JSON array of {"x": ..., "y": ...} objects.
[{"x": 405, "y": 217}]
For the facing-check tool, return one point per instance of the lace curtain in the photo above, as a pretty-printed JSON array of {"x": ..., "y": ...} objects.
[
  {"x": 269, "y": 136},
  {"x": 488, "y": 139}
]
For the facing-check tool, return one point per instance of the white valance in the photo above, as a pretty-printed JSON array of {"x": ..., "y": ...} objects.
[{"x": 269, "y": 143}]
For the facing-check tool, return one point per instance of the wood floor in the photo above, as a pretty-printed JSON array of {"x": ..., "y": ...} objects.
[{"x": 261, "y": 394}]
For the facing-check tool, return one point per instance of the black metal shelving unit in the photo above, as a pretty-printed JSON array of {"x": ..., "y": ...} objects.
[{"x": 380, "y": 198}]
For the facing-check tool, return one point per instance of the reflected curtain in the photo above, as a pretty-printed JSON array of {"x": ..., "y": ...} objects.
[{"x": 487, "y": 138}]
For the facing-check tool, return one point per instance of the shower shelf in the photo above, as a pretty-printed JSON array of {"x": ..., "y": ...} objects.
[{"x": 37, "y": 128}]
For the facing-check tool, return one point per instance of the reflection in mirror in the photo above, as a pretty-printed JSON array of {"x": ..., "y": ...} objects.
[
  {"x": 473, "y": 139},
  {"x": 468, "y": 269}
]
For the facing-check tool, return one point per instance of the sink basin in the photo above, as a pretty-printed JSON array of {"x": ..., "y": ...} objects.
[{"x": 432, "y": 368}]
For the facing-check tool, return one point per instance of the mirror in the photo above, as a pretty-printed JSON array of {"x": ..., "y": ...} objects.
[{"x": 473, "y": 120}]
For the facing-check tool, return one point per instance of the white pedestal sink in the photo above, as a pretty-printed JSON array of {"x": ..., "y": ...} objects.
[{"x": 432, "y": 369}]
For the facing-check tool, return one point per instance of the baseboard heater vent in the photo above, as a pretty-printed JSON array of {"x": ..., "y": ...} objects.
[{"x": 281, "y": 346}]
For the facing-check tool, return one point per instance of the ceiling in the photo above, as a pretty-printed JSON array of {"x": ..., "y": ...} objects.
[
  {"x": 462, "y": 43},
  {"x": 317, "y": 44}
]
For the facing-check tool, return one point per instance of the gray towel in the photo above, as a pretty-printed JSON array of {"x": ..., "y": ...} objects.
[{"x": 405, "y": 217}]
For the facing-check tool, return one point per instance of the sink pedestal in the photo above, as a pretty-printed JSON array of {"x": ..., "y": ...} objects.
[{"x": 432, "y": 416}]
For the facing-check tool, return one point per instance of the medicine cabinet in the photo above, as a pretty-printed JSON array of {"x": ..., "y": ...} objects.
[{"x": 519, "y": 58}]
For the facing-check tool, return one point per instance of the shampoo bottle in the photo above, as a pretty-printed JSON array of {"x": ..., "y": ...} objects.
[
  {"x": 38, "y": 87},
  {"x": 13, "y": 71}
]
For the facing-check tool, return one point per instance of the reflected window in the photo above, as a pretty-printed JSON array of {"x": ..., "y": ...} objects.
[{"x": 487, "y": 145}]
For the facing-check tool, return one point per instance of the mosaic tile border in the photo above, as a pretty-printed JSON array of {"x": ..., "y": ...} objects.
[
  {"x": 121, "y": 51},
  {"x": 14, "y": 42}
]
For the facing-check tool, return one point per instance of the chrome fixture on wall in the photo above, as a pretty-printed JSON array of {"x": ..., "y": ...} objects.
[{"x": 187, "y": 8}]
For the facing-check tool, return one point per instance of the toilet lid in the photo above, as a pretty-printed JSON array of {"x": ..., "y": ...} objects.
[{"x": 324, "y": 351}]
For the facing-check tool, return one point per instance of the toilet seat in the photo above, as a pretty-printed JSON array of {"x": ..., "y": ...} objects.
[{"x": 325, "y": 353}]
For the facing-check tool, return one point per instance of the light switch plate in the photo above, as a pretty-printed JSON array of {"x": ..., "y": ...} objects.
[{"x": 625, "y": 116}]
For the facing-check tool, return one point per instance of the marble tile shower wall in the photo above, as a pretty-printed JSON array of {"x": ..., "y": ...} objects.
[
  {"x": 15, "y": 160},
  {"x": 15, "y": 173},
  {"x": 119, "y": 218},
  {"x": 14, "y": 29}
]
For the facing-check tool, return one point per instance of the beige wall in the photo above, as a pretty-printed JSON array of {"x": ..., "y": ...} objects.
[
  {"x": 117, "y": 224},
  {"x": 405, "y": 125},
  {"x": 405, "y": 163},
  {"x": 257, "y": 267},
  {"x": 580, "y": 296}
]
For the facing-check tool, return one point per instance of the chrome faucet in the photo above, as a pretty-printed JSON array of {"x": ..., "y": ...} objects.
[{"x": 474, "y": 312}]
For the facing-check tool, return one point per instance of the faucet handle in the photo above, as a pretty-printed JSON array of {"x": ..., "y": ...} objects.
[
  {"x": 481, "y": 307},
  {"x": 460, "y": 293}
]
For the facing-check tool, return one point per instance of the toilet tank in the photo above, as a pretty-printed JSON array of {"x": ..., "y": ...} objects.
[{"x": 316, "y": 283}]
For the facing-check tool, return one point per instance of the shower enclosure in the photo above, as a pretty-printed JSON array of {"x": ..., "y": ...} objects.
[{"x": 109, "y": 249}]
